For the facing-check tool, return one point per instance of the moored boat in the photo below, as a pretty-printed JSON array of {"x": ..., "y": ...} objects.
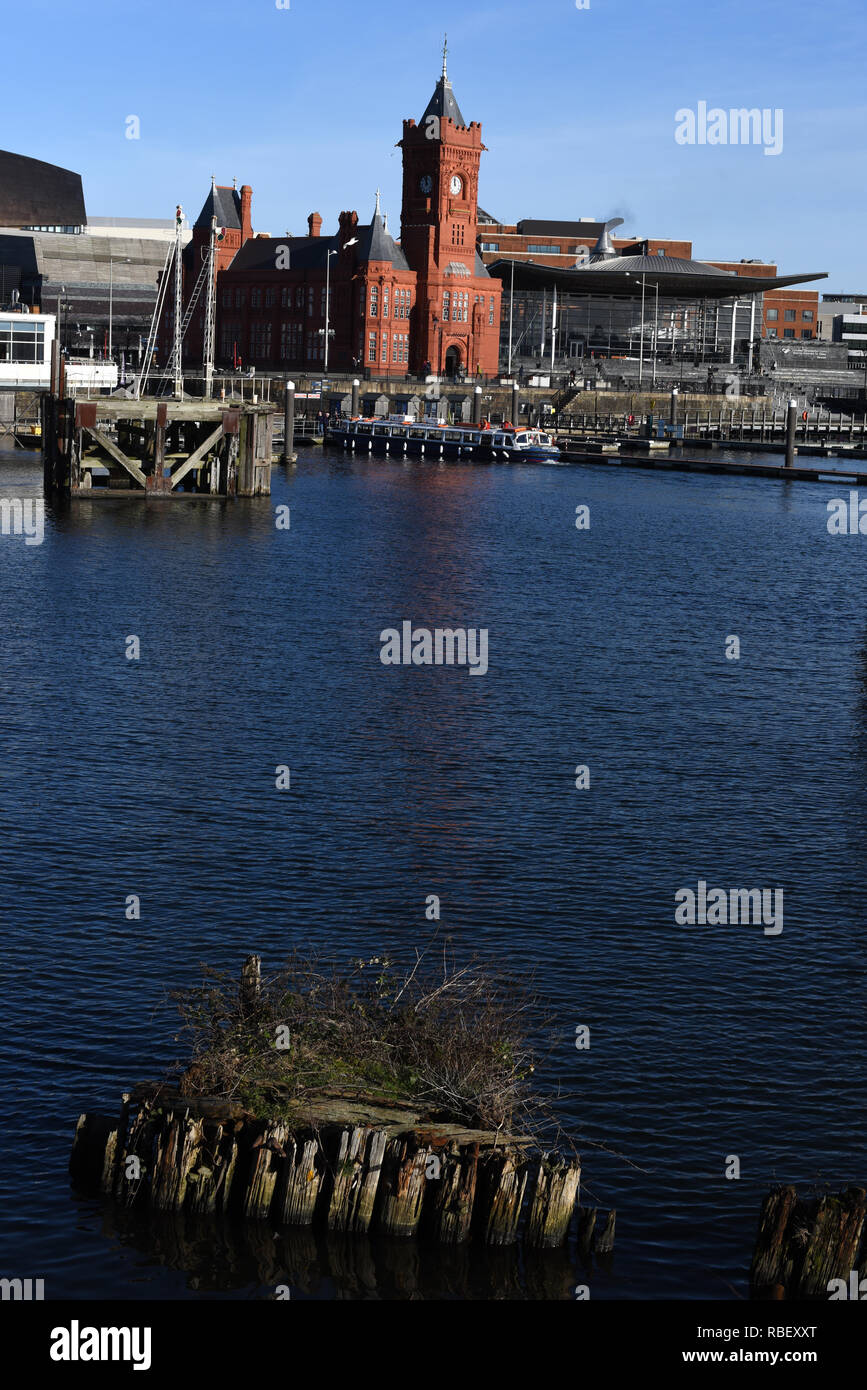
[{"x": 479, "y": 443}]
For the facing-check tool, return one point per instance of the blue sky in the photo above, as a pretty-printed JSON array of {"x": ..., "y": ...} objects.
[{"x": 577, "y": 110}]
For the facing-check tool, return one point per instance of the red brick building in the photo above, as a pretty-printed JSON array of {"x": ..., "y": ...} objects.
[{"x": 424, "y": 304}]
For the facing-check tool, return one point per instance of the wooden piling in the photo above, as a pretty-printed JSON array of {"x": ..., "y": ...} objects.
[
  {"x": 802, "y": 1245},
  {"x": 553, "y": 1202}
]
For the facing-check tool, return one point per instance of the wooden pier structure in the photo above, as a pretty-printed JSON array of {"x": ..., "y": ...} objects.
[
  {"x": 350, "y": 1163},
  {"x": 337, "y": 1155},
  {"x": 156, "y": 448}
]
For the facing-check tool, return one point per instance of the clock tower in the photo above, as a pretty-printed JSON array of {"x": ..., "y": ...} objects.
[{"x": 457, "y": 326}]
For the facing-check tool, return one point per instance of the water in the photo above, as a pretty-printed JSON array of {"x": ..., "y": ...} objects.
[{"x": 260, "y": 647}]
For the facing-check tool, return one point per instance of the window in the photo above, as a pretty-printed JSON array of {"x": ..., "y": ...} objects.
[
  {"x": 299, "y": 297},
  {"x": 290, "y": 340},
  {"x": 255, "y": 298},
  {"x": 772, "y": 315},
  {"x": 772, "y": 332},
  {"x": 239, "y": 298},
  {"x": 385, "y": 291},
  {"x": 260, "y": 340},
  {"x": 227, "y": 299},
  {"x": 21, "y": 341},
  {"x": 310, "y": 301},
  {"x": 491, "y": 311},
  {"x": 806, "y": 332},
  {"x": 807, "y": 315},
  {"x": 789, "y": 315},
  {"x": 490, "y": 246},
  {"x": 285, "y": 297},
  {"x": 270, "y": 298},
  {"x": 660, "y": 253},
  {"x": 385, "y": 347},
  {"x": 230, "y": 337},
  {"x": 545, "y": 250},
  {"x": 446, "y": 306},
  {"x": 371, "y": 348},
  {"x": 374, "y": 301},
  {"x": 322, "y": 302},
  {"x": 788, "y": 332}
]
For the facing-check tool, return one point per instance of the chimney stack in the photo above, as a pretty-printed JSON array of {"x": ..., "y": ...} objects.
[
  {"x": 314, "y": 223},
  {"x": 246, "y": 212}
]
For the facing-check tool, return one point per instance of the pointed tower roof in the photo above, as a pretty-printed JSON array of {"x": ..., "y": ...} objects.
[
  {"x": 443, "y": 103},
  {"x": 222, "y": 203},
  {"x": 375, "y": 243}
]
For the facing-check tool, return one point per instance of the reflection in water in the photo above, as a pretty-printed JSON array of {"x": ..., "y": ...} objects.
[{"x": 217, "y": 1255}]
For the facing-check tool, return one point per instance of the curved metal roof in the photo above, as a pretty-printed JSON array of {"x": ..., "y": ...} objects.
[{"x": 620, "y": 276}]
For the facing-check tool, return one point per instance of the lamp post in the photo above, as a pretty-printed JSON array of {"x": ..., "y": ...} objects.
[
  {"x": 328, "y": 331},
  {"x": 122, "y": 260},
  {"x": 655, "y": 333},
  {"x": 511, "y": 310}
]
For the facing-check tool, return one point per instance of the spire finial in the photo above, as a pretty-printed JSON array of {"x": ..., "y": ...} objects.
[
  {"x": 376, "y": 210},
  {"x": 213, "y": 182},
  {"x": 234, "y": 181},
  {"x": 445, "y": 55}
]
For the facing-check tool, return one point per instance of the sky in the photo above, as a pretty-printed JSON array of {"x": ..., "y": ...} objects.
[{"x": 579, "y": 111}]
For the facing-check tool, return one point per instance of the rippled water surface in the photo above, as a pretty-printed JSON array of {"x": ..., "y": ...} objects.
[{"x": 260, "y": 647}]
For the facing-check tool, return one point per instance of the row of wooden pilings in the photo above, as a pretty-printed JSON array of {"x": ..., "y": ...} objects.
[{"x": 202, "y": 1156}]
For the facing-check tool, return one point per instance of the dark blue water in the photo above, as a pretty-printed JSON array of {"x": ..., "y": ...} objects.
[{"x": 260, "y": 647}]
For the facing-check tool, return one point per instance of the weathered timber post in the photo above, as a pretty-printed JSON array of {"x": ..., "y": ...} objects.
[
  {"x": 790, "y": 434},
  {"x": 801, "y": 1246},
  {"x": 250, "y": 988},
  {"x": 356, "y": 391},
  {"x": 288, "y": 421},
  {"x": 477, "y": 406}
]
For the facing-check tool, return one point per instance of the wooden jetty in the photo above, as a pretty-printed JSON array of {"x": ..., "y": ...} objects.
[
  {"x": 803, "y": 1245},
  {"x": 155, "y": 448}
]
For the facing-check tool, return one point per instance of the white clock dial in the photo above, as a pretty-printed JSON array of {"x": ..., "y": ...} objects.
[
  {"x": 456, "y": 184},
  {"x": 425, "y": 183}
]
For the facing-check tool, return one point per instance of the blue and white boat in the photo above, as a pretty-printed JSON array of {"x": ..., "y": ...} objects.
[{"x": 398, "y": 435}]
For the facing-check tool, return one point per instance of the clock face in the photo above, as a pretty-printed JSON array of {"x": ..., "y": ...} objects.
[
  {"x": 456, "y": 184},
  {"x": 425, "y": 183}
]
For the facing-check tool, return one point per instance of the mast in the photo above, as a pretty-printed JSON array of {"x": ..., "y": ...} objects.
[
  {"x": 179, "y": 379},
  {"x": 210, "y": 311}
]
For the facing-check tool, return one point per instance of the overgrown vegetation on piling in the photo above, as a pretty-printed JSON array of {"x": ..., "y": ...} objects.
[{"x": 453, "y": 1038}]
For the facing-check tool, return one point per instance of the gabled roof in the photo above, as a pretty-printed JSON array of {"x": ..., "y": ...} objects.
[
  {"x": 311, "y": 252},
  {"x": 305, "y": 252},
  {"x": 225, "y": 205}
]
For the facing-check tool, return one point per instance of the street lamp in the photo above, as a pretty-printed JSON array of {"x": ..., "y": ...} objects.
[
  {"x": 121, "y": 260},
  {"x": 329, "y": 332}
]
